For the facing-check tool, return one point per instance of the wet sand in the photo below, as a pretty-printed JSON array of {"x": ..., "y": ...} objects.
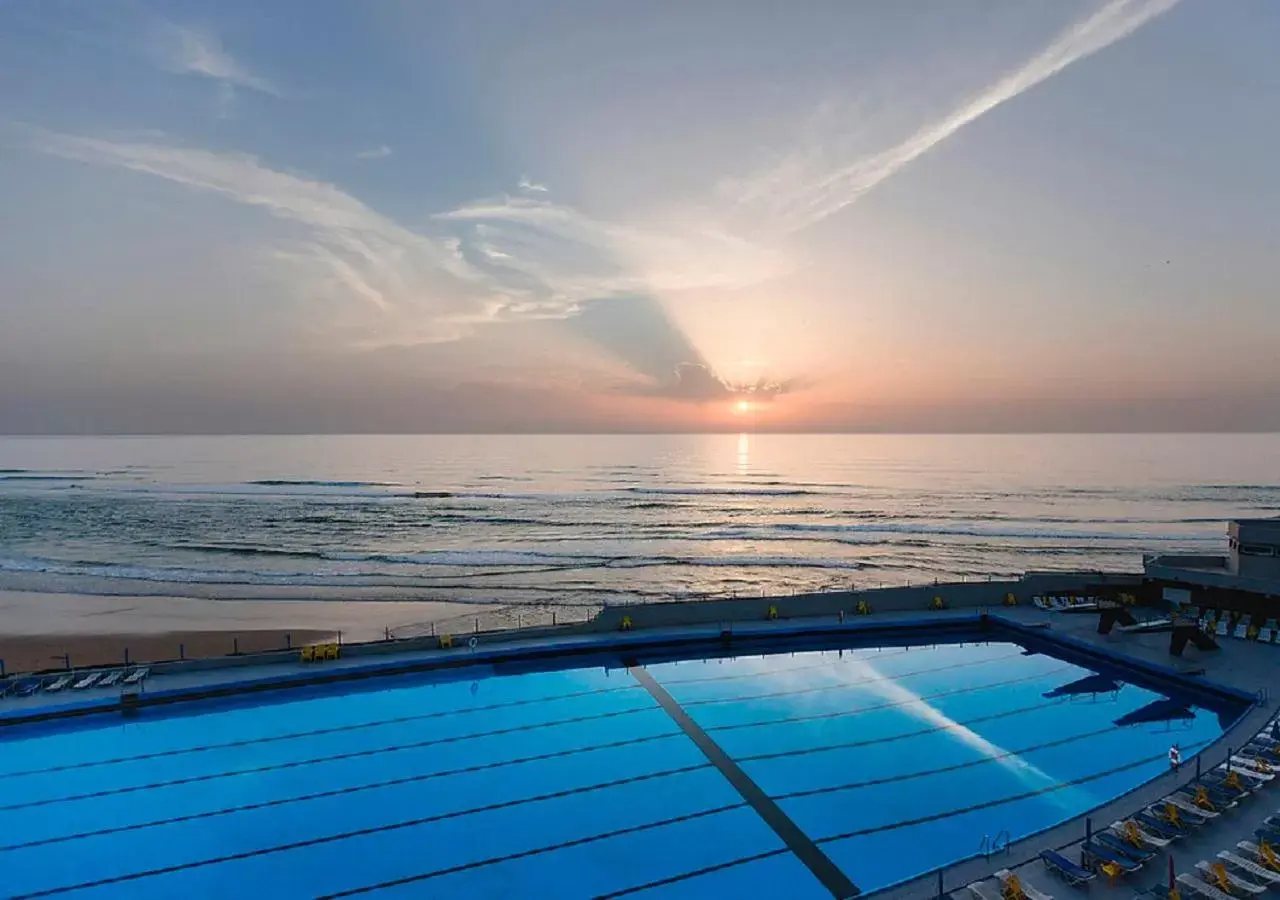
[{"x": 38, "y": 630}]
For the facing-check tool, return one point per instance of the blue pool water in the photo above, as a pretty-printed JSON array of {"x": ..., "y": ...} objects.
[{"x": 579, "y": 783}]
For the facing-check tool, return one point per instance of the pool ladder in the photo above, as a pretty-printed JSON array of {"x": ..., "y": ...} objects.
[{"x": 993, "y": 845}]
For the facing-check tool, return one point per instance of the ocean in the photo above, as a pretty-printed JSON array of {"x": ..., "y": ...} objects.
[{"x": 592, "y": 520}]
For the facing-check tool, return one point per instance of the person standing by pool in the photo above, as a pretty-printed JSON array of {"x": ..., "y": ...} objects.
[{"x": 1175, "y": 758}]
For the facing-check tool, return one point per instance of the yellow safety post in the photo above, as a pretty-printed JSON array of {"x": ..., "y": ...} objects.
[
  {"x": 938, "y": 603},
  {"x": 773, "y": 612},
  {"x": 863, "y": 608},
  {"x": 446, "y": 641},
  {"x": 1010, "y": 599},
  {"x": 626, "y": 624}
]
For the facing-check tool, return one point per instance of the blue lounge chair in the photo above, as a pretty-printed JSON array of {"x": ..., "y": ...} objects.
[
  {"x": 1102, "y": 854},
  {"x": 1266, "y": 834},
  {"x": 1152, "y": 825},
  {"x": 1111, "y": 842},
  {"x": 1065, "y": 869},
  {"x": 27, "y": 688}
]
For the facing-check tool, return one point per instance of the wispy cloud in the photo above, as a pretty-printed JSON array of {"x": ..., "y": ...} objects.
[
  {"x": 802, "y": 189},
  {"x": 529, "y": 186},
  {"x": 382, "y": 151},
  {"x": 421, "y": 287},
  {"x": 189, "y": 51}
]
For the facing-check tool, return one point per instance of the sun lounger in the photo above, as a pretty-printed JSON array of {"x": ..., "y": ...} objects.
[
  {"x": 1065, "y": 868},
  {"x": 58, "y": 684},
  {"x": 87, "y": 681},
  {"x": 1107, "y": 855},
  {"x": 1258, "y": 873},
  {"x": 1160, "y": 824},
  {"x": 1125, "y": 849},
  {"x": 1186, "y": 806},
  {"x": 1132, "y": 832},
  {"x": 1014, "y": 887},
  {"x": 27, "y": 688},
  {"x": 1209, "y": 892},
  {"x": 1219, "y": 797},
  {"x": 1268, "y": 858},
  {"x": 1159, "y": 828},
  {"x": 984, "y": 890},
  {"x": 135, "y": 677},
  {"x": 1213, "y": 873},
  {"x": 1258, "y": 769},
  {"x": 112, "y": 678}
]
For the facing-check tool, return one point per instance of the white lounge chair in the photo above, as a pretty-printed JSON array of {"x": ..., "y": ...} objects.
[
  {"x": 112, "y": 678},
  {"x": 1208, "y": 891},
  {"x": 982, "y": 890},
  {"x": 1122, "y": 828},
  {"x": 1255, "y": 768},
  {"x": 87, "y": 681},
  {"x": 1187, "y": 806},
  {"x": 1237, "y": 882},
  {"x": 1250, "y": 868},
  {"x": 1253, "y": 850},
  {"x": 1030, "y": 891},
  {"x": 58, "y": 684},
  {"x": 135, "y": 677}
]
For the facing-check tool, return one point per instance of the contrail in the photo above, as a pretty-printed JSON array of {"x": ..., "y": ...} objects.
[{"x": 836, "y": 190}]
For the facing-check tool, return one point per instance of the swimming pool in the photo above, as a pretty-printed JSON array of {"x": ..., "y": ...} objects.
[{"x": 804, "y": 774}]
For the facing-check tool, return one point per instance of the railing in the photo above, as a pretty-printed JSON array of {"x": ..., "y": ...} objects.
[{"x": 991, "y": 846}]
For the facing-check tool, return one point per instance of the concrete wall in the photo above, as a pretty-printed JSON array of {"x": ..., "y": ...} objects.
[{"x": 962, "y": 595}]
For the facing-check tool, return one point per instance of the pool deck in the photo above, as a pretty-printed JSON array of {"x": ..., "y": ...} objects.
[{"x": 1247, "y": 668}]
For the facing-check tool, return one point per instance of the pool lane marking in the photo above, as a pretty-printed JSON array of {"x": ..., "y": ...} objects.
[
  {"x": 706, "y": 870},
  {"x": 686, "y": 876},
  {"x": 424, "y": 876},
  {"x": 400, "y": 720},
  {"x": 876, "y": 707},
  {"x": 497, "y": 764},
  {"x": 829, "y": 875},
  {"x": 416, "y": 745},
  {"x": 541, "y": 757},
  {"x": 412, "y": 823},
  {"x": 337, "y": 792},
  {"x": 988, "y": 804},
  {"x": 315, "y": 732},
  {"x": 823, "y": 688},
  {"x": 377, "y": 723}
]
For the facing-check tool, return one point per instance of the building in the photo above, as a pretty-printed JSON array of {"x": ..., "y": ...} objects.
[{"x": 1246, "y": 580}]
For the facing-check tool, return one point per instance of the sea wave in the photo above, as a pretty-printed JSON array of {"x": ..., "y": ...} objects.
[
  {"x": 721, "y": 492},
  {"x": 370, "y": 567},
  {"x": 303, "y": 482}
]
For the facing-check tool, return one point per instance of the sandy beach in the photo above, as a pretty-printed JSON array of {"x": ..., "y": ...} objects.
[{"x": 40, "y": 631}]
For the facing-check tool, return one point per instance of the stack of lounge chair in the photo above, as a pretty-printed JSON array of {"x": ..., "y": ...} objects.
[{"x": 25, "y": 686}]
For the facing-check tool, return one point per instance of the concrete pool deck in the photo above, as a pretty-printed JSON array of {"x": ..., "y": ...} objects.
[{"x": 1246, "y": 668}]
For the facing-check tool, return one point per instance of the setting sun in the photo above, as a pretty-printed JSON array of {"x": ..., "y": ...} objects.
[{"x": 742, "y": 406}]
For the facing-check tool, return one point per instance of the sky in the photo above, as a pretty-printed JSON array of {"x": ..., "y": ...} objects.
[{"x": 501, "y": 216}]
